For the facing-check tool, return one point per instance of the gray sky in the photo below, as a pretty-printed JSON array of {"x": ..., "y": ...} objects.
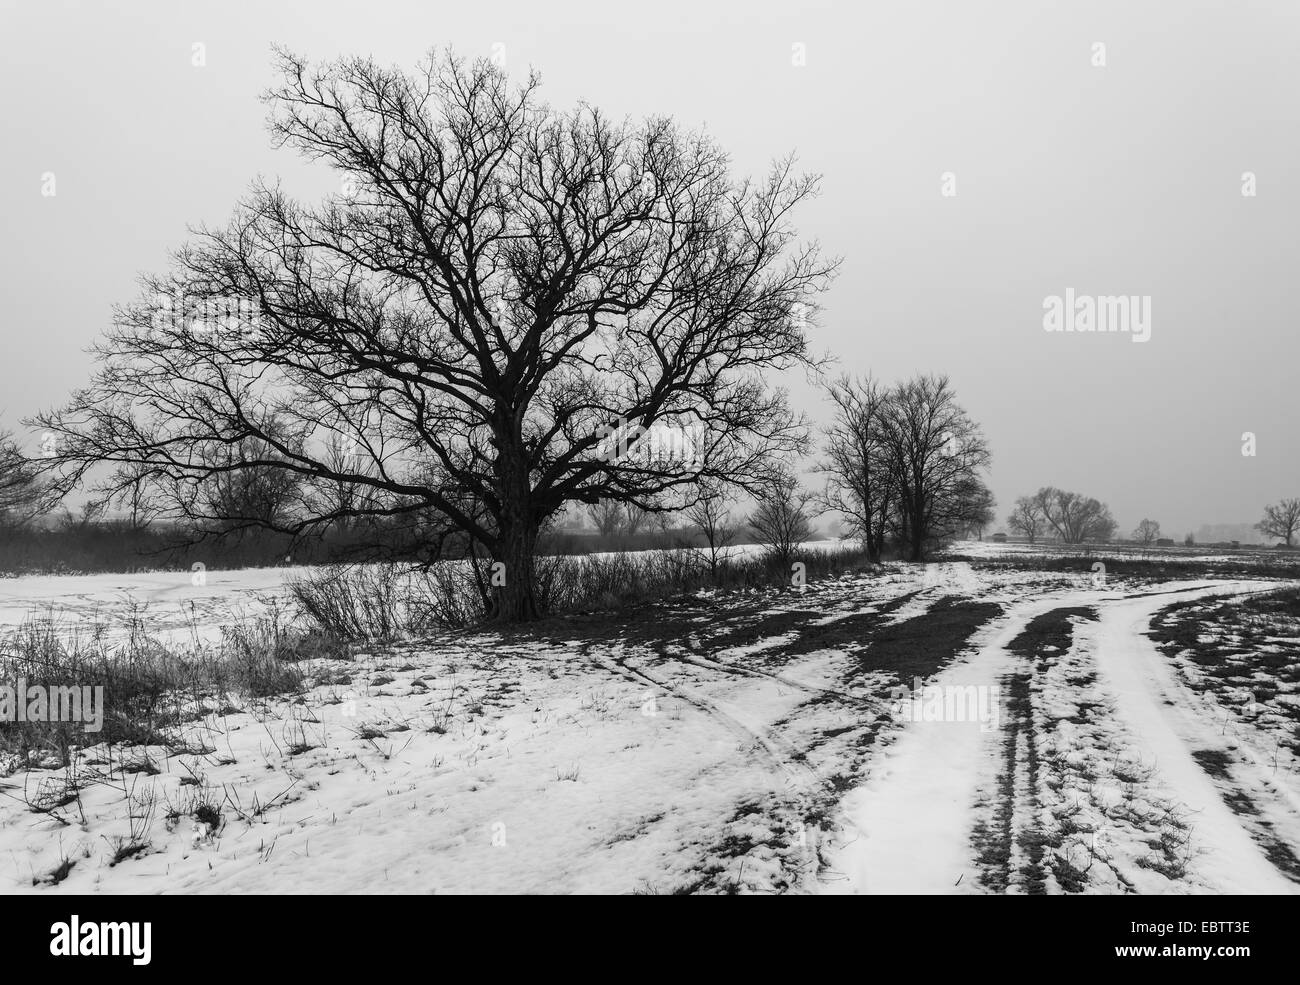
[{"x": 1122, "y": 179}]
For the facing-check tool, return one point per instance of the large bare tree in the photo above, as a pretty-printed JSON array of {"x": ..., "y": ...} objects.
[{"x": 501, "y": 303}]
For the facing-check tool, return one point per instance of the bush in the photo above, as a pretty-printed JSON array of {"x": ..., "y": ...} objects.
[
  {"x": 386, "y": 601},
  {"x": 380, "y": 603}
]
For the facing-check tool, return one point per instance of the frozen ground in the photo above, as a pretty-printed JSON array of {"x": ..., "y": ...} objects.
[{"x": 747, "y": 742}]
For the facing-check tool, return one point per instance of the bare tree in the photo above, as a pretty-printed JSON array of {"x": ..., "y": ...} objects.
[
  {"x": 140, "y": 499},
  {"x": 634, "y": 518},
  {"x": 859, "y": 482},
  {"x": 90, "y": 514},
  {"x": 782, "y": 519},
  {"x": 711, "y": 518},
  {"x": 238, "y": 497},
  {"x": 504, "y": 300},
  {"x": 22, "y": 496},
  {"x": 1027, "y": 518},
  {"x": 1281, "y": 520},
  {"x": 980, "y": 510},
  {"x": 346, "y": 502},
  {"x": 1147, "y": 532},
  {"x": 1075, "y": 518},
  {"x": 607, "y": 515},
  {"x": 936, "y": 455}
]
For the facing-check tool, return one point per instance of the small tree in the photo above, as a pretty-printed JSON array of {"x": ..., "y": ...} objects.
[
  {"x": 936, "y": 454},
  {"x": 981, "y": 509},
  {"x": 1027, "y": 518},
  {"x": 857, "y": 463},
  {"x": 783, "y": 518},
  {"x": 607, "y": 515},
  {"x": 90, "y": 514},
  {"x": 1074, "y": 517},
  {"x": 138, "y": 499},
  {"x": 1147, "y": 532},
  {"x": 347, "y": 502},
  {"x": 21, "y": 493},
  {"x": 1281, "y": 520},
  {"x": 239, "y": 497},
  {"x": 634, "y": 518},
  {"x": 710, "y": 516}
]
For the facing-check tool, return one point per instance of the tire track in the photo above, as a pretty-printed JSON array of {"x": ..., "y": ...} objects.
[
  {"x": 916, "y": 813},
  {"x": 1166, "y": 727},
  {"x": 799, "y": 781}
]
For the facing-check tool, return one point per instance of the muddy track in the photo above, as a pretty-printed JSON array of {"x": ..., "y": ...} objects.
[
  {"x": 1231, "y": 850},
  {"x": 865, "y": 633},
  {"x": 1088, "y": 782},
  {"x": 1014, "y": 845}
]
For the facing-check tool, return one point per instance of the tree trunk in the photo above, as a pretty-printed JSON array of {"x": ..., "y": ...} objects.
[
  {"x": 513, "y": 575},
  {"x": 875, "y": 544},
  {"x": 916, "y": 530}
]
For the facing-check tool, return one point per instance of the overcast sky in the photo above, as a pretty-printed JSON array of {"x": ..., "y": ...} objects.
[{"x": 1122, "y": 178}]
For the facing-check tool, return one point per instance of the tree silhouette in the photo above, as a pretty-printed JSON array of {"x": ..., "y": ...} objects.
[{"x": 503, "y": 301}]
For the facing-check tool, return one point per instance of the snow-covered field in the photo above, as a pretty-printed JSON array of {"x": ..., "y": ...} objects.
[
  {"x": 728, "y": 742},
  {"x": 178, "y": 606}
]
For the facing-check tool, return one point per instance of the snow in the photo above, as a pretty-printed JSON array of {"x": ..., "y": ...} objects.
[
  {"x": 482, "y": 763},
  {"x": 922, "y": 792},
  {"x": 1165, "y": 728},
  {"x": 179, "y": 606}
]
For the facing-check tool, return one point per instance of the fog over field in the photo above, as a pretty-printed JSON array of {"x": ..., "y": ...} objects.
[{"x": 1125, "y": 179}]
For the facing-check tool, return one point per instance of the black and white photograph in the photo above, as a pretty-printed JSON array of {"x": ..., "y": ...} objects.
[{"x": 699, "y": 448}]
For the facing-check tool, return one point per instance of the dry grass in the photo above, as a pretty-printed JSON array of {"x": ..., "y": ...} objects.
[
  {"x": 151, "y": 689},
  {"x": 382, "y": 603}
]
